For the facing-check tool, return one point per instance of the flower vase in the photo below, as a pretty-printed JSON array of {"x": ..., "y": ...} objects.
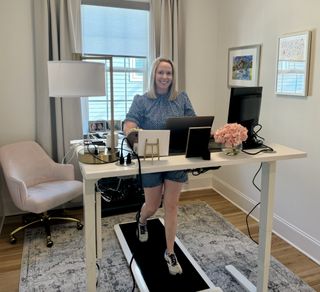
[{"x": 231, "y": 150}]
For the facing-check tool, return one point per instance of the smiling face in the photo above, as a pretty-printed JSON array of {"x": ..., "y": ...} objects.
[{"x": 163, "y": 77}]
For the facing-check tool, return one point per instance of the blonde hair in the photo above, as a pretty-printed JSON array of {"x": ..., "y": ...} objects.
[{"x": 152, "y": 86}]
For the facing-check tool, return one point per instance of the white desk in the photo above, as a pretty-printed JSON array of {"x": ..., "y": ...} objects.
[{"x": 92, "y": 204}]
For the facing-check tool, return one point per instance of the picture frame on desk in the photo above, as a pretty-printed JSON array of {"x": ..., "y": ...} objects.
[
  {"x": 153, "y": 143},
  {"x": 198, "y": 142},
  {"x": 243, "y": 66},
  {"x": 97, "y": 126}
]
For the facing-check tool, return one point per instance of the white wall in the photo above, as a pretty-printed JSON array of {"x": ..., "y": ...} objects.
[
  {"x": 286, "y": 120},
  {"x": 17, "y": 98},
  {"x": 201, "y": 30}
]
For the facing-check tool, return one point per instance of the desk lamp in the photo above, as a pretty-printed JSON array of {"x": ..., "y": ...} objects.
[{"x": 69, "y": 79}]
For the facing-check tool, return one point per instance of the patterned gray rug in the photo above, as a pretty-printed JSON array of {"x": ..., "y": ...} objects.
[{"x": 213, "y": 243}]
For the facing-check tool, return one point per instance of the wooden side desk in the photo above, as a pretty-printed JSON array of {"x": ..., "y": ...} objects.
[{"x": 92, "y": 204}]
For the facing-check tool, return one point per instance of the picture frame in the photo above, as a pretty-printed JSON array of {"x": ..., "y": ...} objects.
[
  {"x": 97, "y": 126},
  {"x": 243, "y": 66},
  {"x": 293, "y": 62},
  {"x": 154, "y": 138}
]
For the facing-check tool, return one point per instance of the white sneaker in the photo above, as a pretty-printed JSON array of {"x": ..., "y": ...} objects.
[
  {"x": 142, "y": 230},
  {"x": 173, "y": 264}
]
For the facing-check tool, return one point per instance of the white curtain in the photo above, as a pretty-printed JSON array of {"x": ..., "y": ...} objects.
[
  {"x": 57, "y": 33},
  {"x": 166, "y": 35}
]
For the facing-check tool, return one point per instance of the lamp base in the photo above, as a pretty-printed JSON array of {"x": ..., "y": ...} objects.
[{"x": 103, "y": 157}]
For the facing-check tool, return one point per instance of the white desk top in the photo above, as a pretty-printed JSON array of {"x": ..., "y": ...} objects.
[{"x": 179, "y": 162}]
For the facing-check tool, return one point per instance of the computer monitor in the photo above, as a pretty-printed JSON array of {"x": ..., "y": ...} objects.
[
  {"x": 179, "y": 128},
  {"x": 244, "y": 109}
]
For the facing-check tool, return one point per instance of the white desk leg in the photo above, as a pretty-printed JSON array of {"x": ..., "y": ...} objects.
[
  {"x": 265, "y": 232},
  {"x": 90, "y": 232},
  {"x": 265, "y": 223},
  {"x": 98, "y": 226}
]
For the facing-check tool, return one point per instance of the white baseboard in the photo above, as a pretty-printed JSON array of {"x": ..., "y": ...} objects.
[
  {"x": 285, "y": 230},
  {"x": 203, "y": 181}
]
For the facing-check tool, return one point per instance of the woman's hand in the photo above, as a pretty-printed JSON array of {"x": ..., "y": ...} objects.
[{"x": 130, "y": 127}]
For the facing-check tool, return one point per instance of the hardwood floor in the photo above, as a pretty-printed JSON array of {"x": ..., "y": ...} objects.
[{"x": 302, "y": 266}]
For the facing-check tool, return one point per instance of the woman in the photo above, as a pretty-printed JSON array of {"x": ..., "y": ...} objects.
[{"x": 150, "y": 111}]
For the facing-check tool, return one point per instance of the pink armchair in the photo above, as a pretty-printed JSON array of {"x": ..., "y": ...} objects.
[{"x": 37, "y": 184}]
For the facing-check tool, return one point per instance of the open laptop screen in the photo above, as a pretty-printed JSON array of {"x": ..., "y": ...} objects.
[{"x": 179, "y": 127}]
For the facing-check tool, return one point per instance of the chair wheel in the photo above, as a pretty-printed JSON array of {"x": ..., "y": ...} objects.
[
  {"x": 12, "y": 239},
  {"x": 79, "y": 226},
  {"x": 49, "y": 243}
]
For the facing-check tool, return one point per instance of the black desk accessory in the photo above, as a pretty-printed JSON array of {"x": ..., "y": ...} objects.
[{"x": 198, "y": 142}]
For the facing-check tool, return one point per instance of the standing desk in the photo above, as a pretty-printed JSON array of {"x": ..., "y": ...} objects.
[{"x": 92, "y": 203}]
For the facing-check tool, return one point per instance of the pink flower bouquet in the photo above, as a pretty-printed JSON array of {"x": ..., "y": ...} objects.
[{"x": 231, "y": 135}]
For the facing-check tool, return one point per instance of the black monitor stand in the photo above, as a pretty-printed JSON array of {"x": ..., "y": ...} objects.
[{"x": 253, "y": 141}]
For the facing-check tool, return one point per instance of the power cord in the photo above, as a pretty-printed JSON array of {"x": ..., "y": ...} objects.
[
  {"x": 263, "y": 148},
  {"x": 131, "y": 271},
  {"x": 128, "y": 159},
  {"x": 257, "y": 131},
  {"x": 131, "y": 155},
  {"x": 254, "y": 207},
  {"x": 98, "y": 276},
  {"x": 73, "y": 150},
  {"x": 198, "y": 171},
  {"x": 95, "y": 153}
]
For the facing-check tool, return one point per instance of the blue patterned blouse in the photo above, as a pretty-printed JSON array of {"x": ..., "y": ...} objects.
[{"x": 151, "y": 114}]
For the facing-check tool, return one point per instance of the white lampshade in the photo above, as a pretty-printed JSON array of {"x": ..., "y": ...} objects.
[{"x": 76, "y": 78}]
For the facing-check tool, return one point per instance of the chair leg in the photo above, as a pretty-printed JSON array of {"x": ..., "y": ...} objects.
[
  {"x": 13, "y": 239},
  {"x": 70, "y": 219},
  {"x": 45, "y": 220},
  {"x": 46, "y": 224}
]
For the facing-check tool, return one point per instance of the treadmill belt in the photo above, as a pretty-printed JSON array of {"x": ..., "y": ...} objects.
[{"x": 149, "y": 256}]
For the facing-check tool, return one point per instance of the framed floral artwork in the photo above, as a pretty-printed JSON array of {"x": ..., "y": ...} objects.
[
  {"x": 243, "y": 66},
  {"x": 292, "y": 77}
]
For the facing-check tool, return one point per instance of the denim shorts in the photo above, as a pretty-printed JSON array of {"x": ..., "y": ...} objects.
[{"x": 150, "y": 180}]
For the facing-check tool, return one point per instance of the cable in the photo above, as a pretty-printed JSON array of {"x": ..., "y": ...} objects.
[
  {"x": 133, "y": 279},
  {"x": 73, "y": 149},
  {"x": 134, "y": 154},
  {"x": 255, "y": 132},
  {"x": 98, "y": 276},
  {"x": 95, "y": 153},
  {"x": 198, "y": 171},
  {"x": 121, "y": 159},
  {"x": 265, "y": 149},
  {"x": 247, "y": 216},
  {"x": 247, "y": 223}
]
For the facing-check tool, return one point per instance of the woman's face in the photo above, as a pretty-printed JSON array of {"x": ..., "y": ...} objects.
[{"x": 163, "y": 77}]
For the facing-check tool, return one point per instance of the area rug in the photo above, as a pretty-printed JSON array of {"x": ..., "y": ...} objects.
[{"x": 213, "y": 243}]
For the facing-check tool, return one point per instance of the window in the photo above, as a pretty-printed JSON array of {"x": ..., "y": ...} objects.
[{"x": 120, "y": 32}]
